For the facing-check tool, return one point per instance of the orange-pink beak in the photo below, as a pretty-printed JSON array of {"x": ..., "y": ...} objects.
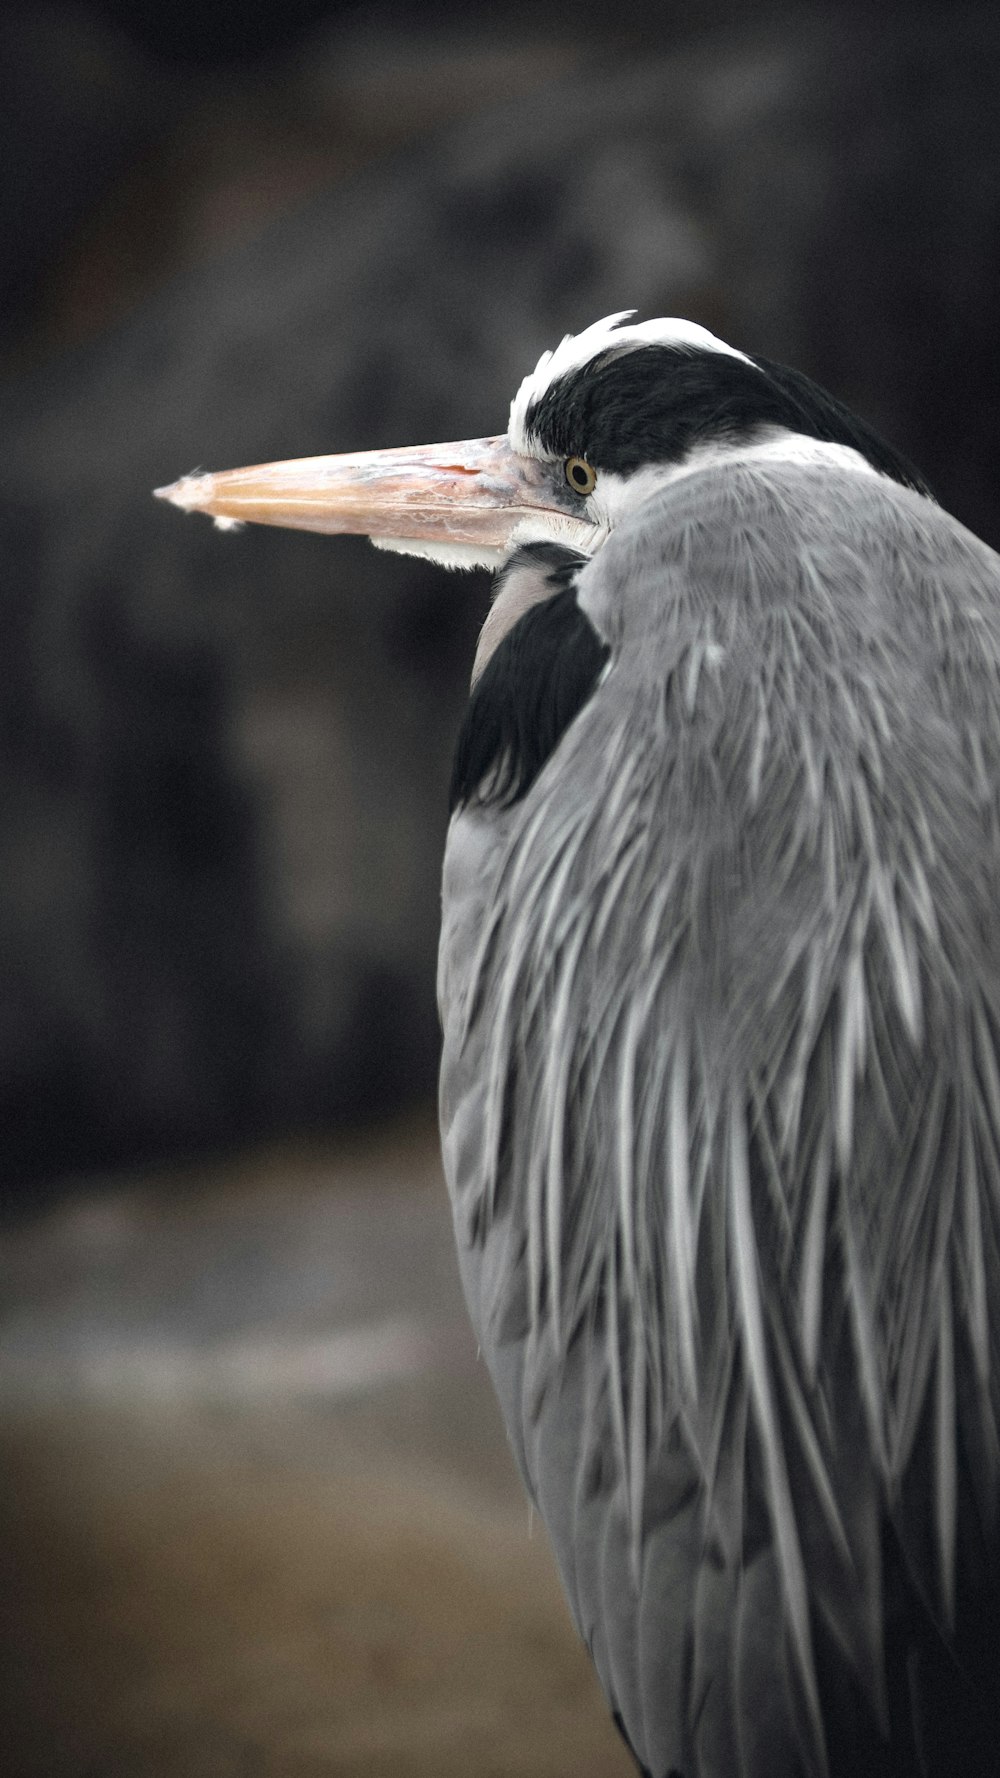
[{"x": 475, "y": 493}]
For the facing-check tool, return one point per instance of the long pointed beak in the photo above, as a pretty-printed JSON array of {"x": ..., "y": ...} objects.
[{"x": 474, "y": 493}]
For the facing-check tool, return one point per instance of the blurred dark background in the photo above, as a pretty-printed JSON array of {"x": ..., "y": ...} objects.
[{"x": 253, "y": 232}]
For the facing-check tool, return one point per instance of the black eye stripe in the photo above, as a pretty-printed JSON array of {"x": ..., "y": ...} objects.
[{"x": 654, "y": 403}]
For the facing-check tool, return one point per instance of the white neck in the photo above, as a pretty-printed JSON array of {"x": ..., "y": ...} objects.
[{"x": 617, "y": 495}]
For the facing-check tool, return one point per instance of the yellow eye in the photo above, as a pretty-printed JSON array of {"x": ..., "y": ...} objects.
[{"x": 582, "y": 479}]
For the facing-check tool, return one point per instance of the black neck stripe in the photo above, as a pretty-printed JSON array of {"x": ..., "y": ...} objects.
[{"x": 534, "y": 684}]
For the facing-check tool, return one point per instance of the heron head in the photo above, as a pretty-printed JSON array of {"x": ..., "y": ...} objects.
[{"x": 599, "y": 425}]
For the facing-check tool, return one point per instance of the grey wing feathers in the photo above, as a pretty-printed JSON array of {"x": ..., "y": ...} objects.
[{"x": 721, "y": 1104}]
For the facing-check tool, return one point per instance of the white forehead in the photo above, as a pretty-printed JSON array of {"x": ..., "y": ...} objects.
[{"x": 577, "y": 349}]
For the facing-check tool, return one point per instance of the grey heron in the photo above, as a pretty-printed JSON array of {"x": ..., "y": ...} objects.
[{"x": 720, "y": 987}]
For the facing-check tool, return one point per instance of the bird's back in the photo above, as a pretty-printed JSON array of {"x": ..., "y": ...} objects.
[{"x": 721, "y": 1113}]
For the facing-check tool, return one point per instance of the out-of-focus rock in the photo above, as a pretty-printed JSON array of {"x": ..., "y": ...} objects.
[
  {"x": 119, "y": 169},
  {"x": 81, "y": 106},
  {"x": 224, "y": 758}
]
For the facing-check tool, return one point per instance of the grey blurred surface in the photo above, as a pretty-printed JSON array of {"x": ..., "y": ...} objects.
[
  {"x": 224, "y": 760},
  {"x": 259, "y": 1514}
]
